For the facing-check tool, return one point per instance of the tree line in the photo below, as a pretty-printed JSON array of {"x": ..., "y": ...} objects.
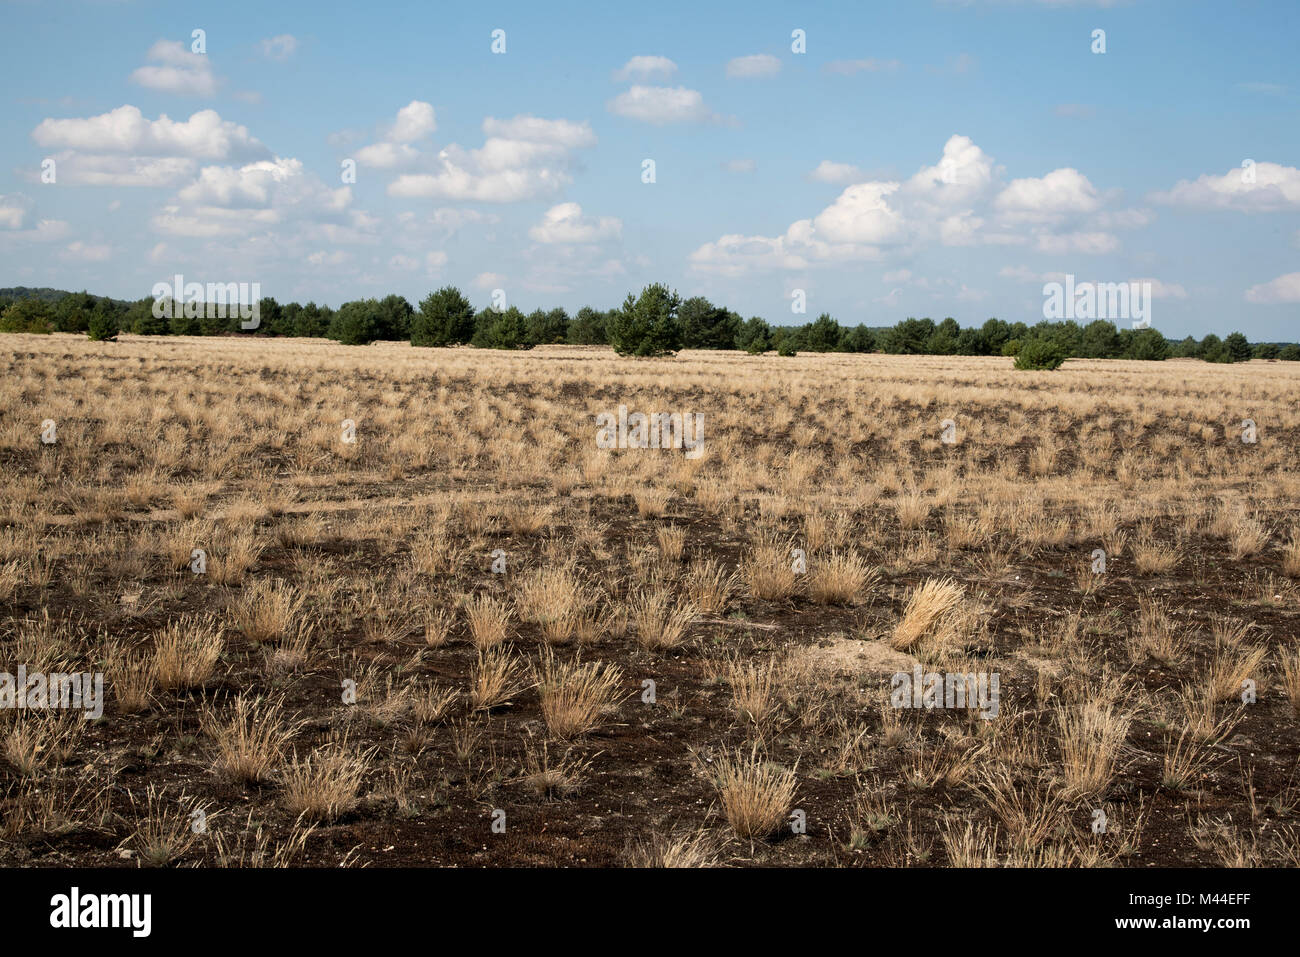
[{"x": 654, "y": 322}]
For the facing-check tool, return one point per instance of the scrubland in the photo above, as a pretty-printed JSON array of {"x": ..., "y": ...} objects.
[{"x": 471, "y": 636}]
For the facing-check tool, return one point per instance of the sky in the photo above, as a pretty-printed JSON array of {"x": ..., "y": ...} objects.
[{"x": 930, "y": 158}]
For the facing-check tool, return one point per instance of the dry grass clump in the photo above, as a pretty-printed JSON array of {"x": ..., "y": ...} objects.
[
  {"x": 710, "y": 587},
  {"x": 672, "y": 542},
  {"x": 755, "y": 687},
  {"x": 266, "y": 611},
  {"x": 551, "y": 779},
  {"x": 1231, "y": 669},
  {"x": 227, "y": 564},
  {"x": 769, "y": 572},
  {"x": 676, "y": 849},
  {"x": 1152, "y": 557},
  {"x": 660, "y": 619},
  {"x": 497, "y": 678},
  {"x": 1290, "y": 662},
  {"x": 651, "y": 502},
  {"x": 167, "y": 832},
  {"x": 928, "y": 607},
  {"x": 130, "y": 673},
  {"x": 1157, "y": 635},
  {"x": 527, "y": 519},
  {"x": 840, "y": 579},
  {"x": 574, "y": 696},
  {"x": 325, "y": 784},
  {"x": 554, "y": 599},
  {"x": 1092, "y": 734},
  {"x": 756, "y": 794},
  {"x": 489, "y": 621},
  {"x": 186, "y": 652},
  {"x": 250, "y": 741}
]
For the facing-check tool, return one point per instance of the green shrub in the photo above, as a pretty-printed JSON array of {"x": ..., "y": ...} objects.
[
  {"x": 27, "y": 315},
  {"x": 445, "y": 317},
  {"x": 103, "y": 326},
  {"x": 1039, "y": 354},
  {"x": 647, "y": 324}
]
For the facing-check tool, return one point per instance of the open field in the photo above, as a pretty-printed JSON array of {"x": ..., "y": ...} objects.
[{"x": 831, "y": 535}]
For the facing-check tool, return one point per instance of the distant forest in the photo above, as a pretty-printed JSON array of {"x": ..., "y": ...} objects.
[{"x": 655, "y": 322}]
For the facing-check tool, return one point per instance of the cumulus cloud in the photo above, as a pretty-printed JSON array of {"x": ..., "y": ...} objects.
[
  {"x": 525, "y": 157},
  {"x": 758, "y": 64},
  {"x": 1282, "y": 289},
  {"x": 257, "y": 197},
  {"x": 962, "y": 200},
  {"x": 661, "y": 105},
  {"x": 125, "y": 130},
  {"x": 414, "y": 122},
  {"x": 1263, "y": 188},
  {"x": 566, "y": 224},
  {"x": 1048, "y": 199},
  {"x": 645, "y": 68},
  {"x": 176, "y": 70}
]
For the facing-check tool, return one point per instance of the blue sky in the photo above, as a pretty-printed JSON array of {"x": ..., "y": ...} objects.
[{"x": 934, "y": 158}]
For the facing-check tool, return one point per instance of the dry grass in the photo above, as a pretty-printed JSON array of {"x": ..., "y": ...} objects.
[
  {"x": 928, "y": 606},
  {"x": 186, "y": 652},
  {"x": 756, "y": 795},
  {"x": 250, "y": 742},
  {"x": 840, "y": 580},
  {"x": 325, "y": 784},
  {"x": 575, "y": 696},
  {"x": 660, "y": 620}
]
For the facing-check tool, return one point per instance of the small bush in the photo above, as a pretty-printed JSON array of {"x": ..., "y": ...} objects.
[{"x": 1039, "y": 354}]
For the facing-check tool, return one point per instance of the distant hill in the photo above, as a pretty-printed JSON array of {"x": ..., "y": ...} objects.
[{"x": 45, "y": 294}]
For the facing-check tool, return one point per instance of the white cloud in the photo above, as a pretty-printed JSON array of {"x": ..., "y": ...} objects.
[
  {"x": 861, "y": 215},
  {"x": 386, "y": 155},
  {"x": 534, "y": 129},
  {"x": 1282, "y": 289},
  {"x": 435, "y": 260},
  {"x": 14, "y": 208},
  {"x": 79, "y": 169},
  {"x": 489, "y": 280},
  {"x": 205, "y": 135},
  {"x": 337, "y": 257},
  {"x": 1275, "y": 188},
  {"x": 183, "y": 72},
  {"x": 740, "y": 166},
  {"x": 869, "y": 65},
  {"x": 1048, "y": 199},
  {"x": 1163, "y": 290},
  {"x": 279, "y": 47},
  {"x": 645, "y": 68},
  {"x": 829, "y": 172},
  {"x": 758, "y": 64},
  {"x": 78, "y": 251},
  {"x": 661, "y": 105},
  {"x": 566, "y": 224},
  {"x": 960, "y": 201},
  {"x": 523, "y": 158},
  {"x": 415, "y": 121}
]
